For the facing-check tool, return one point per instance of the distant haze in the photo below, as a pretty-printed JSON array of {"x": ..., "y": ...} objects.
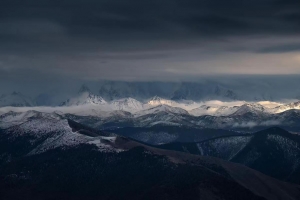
[{"x": 223, "y": 88}]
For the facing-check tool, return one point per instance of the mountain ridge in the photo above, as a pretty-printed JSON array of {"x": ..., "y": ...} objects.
[{"x": 117, "y": 167}]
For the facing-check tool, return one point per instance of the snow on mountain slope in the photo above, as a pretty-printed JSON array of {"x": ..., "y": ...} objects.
[
  {"x": 153, "y": 137},
  {"x": 163, "y": 115},
  {"x": 204, "y": 110},
  {"x": 188, "y": 104},
  {"x": 46, "y": 133},
  {"x": 214, "y": 110},
  {"x": 290, "y": 106},
  {"x": 162, "y": 108},
  {"x": 254, "y": 108},
  {"x": 226, "y": 110},
  {"x": 184, "y": 104},
  {"x": 235, "y": 115},
  {"x": 157, "y": 101},
  {"x": 289, "y": 147},
  {"x": 288, "y": 117},
  {"x": 84, "y": 97},
  {"x": 87, "y": 103},
  {"x": 15, "y": 118},
  {"x": 223, "y": 147},
  {"x": 161, "y": 118},
  {"x": 15, "y": 99},
  {"x": 127, "y": 104}
]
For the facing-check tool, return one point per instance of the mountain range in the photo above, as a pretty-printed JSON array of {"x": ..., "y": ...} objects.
[
  {"x": 48, "y": 156},
  {"x": 93, "y": 110},
  {"x": 84, "y": 97},
  {"x": 273, "y": 151},
  {"x": 195, "y": 91}
]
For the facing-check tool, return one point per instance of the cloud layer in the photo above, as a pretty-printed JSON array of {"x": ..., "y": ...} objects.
[{"x": 42, "y": 41}]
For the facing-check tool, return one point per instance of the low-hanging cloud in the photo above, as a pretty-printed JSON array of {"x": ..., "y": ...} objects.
[
  {"x": 271, "y": 123},
  {"x": 250, "y": 124},
  {"x": 253, "y": 124}
]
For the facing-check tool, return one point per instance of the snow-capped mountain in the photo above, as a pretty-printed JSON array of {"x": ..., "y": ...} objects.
[
  {"x": 16, "y": 99},
  {"x": 226, "y": 110},
  {"x": 11, "y": 118},
  {"x": 49, "y": 131},
  {"x": 231, "y": 115},
  {"x": 157, "y": 101},
  {"x": 204, "y": 110},
  {"x": 214, "y": 110},
  {"x": 273, "y": 151},
  {"x": 46, "y": 153},
  {"x": 184, "y": 104},
  {"x": 157, "y": 93},
  {"x": 162, "y": 108},
  {"x": 163, "y": 115},
  {"x": 84, "y": 97},
  {"x": 253, "y": 108},
  {"x": 290, "y": 106},
  {"x": 127, "y": 104}
]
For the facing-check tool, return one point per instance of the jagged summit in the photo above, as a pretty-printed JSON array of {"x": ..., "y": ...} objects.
[{"x": 84, "y": 97}]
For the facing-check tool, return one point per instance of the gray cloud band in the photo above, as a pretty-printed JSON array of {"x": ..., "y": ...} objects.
[{"x": 147, "y": 40}]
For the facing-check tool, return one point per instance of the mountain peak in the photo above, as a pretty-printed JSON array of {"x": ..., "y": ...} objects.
[
  {"x": 84, "y": 97},
  {"x": 254, "y": 108}
]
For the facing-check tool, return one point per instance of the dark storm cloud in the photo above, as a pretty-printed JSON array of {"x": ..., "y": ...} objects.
[
  {"x": 146, "y": 40},
  {"x": 154, "y": 18}
]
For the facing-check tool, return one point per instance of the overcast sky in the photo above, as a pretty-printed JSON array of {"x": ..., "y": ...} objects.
[{"x": 44, "y": 42}]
